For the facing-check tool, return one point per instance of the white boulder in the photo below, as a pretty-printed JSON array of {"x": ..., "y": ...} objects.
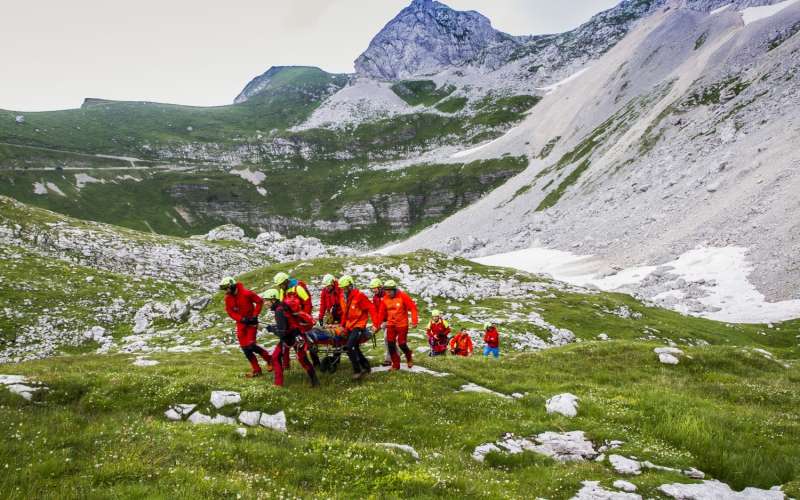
[
  {"x": 19, "y": 119},
  {"x": 592, "y": 490},
  {"x": 198, "y": 418},
  {"x": 668, "y": 359},
  {"x": 12, "y": 379},
  {"x": 173, "y": 415},
  {"x": 564, "y": 404},
  {"x": 625, "y": 465},
  {"x": 715, "y": 490},
  {"x": 223, "y": 420},
  {"x": 623, "y": 485},
  {"x": 23, "y": 390},
  {"x": 480, "y": 452},
  {"x": 251, "y": 418},
  {"x": 402, "y": 447},
  {"x": 561, "y": 446},
  {"x": 276, "y": 422},
  {"x": 225, "y": 398}
]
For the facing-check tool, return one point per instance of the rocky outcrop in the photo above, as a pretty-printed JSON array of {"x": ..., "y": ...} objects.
[{"x": 428, "y": 36}]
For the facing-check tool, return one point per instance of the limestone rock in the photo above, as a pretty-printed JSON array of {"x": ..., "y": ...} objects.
[
  {"x": 565, "y": 404},
  {"x": 224, "y": 398},
  {"x": 276, "y": 422},
  {"x": 624, "y": 465}
]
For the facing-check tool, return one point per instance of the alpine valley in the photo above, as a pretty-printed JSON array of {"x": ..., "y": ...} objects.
[{"x": 620, "y": 199}]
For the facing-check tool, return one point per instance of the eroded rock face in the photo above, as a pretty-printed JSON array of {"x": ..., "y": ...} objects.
[{"x": 428, "y": 36}]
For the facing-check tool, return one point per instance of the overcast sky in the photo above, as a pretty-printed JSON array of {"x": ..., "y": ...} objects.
[{"x": 202, "y": 52}]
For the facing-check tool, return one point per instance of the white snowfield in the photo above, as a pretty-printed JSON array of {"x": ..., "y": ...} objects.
[
  {"x": 721, "y": 273},
  {"x": 472, "y": 151},
  {"x": 563, "y": 82},
  {"x": 753, "y": 14}
]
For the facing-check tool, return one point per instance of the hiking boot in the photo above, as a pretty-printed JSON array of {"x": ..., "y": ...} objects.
[
  {"x": 270, "y": 369},
  {"x": 387, "y": 362},
  {"x": 410, "y": 365},
  {"x": 314, "y": 379},
  {"x": 253, "y": 375},
  {"x": 394, "y": 369}
]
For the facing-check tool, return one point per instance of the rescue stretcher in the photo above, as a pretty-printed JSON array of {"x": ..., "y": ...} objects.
[{"x": 330, "y": 342}]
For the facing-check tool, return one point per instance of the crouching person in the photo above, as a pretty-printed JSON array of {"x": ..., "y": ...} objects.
[
  {"x": 244, "y": 306},
  {"x": 290, "y": 335},
  {"x": 461, "y": 344},
  {"x": 438, "y": 332}
]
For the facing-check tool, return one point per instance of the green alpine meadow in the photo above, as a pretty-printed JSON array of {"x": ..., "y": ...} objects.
[{"x": 536, "y": 251}]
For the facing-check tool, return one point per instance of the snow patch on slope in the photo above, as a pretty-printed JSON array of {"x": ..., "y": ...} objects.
[
  {"x": 753, "y": 14},
  {"x": 566, "y": 80},
  {"x": 469, "y": 152},
  {"x": 719, "y": 274}
]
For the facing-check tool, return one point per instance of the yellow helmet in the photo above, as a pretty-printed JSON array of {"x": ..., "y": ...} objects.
[
  {"x": 280, "y": 278},
  {"x": 390, "y": 284},
  {"x": 227, "y": 282},
  {"x": 345, "y": 280},
  {"x": 271, "y": 294},
  {"x": 436, "y": 312},
  {"x": 328, "y": 279},
  {"x": 375, "y": 283}
]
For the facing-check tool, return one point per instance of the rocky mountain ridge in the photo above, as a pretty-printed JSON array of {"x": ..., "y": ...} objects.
[
  {"x": 429, "y": 37},
  {"x": 679, "y": 136}
]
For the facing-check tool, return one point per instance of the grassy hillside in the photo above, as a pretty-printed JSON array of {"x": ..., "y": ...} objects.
[
  {"x": 99, "y": 429},
  {"x": 140, "y": 128},
  {"x": 169, "y": 169}
]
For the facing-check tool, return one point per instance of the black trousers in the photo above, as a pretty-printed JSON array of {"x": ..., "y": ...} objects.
[{"x": 353, "y": 348}]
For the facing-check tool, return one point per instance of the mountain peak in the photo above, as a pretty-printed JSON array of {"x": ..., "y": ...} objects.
[{"x": 427, "y": 36}]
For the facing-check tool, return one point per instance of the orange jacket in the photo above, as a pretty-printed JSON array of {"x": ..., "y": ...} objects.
[
  {"x": 461, "y": 344},
  {"x": 394, "y": 311},
  {"x": 356, "y": 310}
]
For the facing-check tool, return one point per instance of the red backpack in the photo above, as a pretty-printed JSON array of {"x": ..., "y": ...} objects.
[{"x": 294, "y": 307}]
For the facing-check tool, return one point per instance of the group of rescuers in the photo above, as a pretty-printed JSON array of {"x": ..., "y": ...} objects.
[{"x": 344, "y": 312}]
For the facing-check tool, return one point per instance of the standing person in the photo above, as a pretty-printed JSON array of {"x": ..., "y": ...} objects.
[
  {"x": 329, "y": 299},
  {"x": 356, "y": 310},
  {"x": 492, "y": 339},
  {"x": 244, "y": 306},
  {"x": 438, "y": 331},
  {"x": 393, "y": 312},
  {"x": 293, "y": 293},
  {"x": 290, "y": 335},
  {"x": 461, "y": 344},
  {"x": 376, "y": 286}
]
